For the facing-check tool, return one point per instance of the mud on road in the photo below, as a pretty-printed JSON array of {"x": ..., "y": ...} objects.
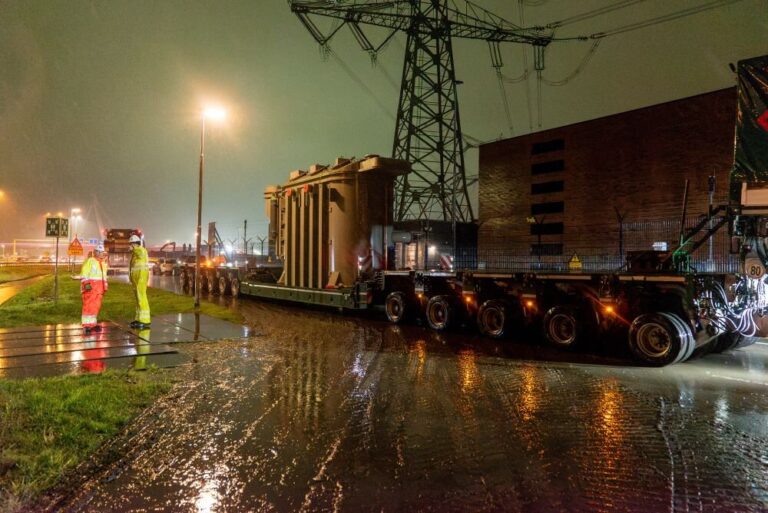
[{"x": 323, "y": 412}]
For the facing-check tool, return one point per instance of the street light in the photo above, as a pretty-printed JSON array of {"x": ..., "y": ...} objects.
[
  {"x": 214, "y": 114},
  {"x": 74, "y": 214}
]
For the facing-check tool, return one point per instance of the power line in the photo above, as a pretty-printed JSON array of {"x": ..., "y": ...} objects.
[
  {"x": 360, "y": 82},
  {"x": 505, "y": 101},
  {"x": 521, "y": 4},
  {"x": 593, "y": 13},
  {"x": 578, "y": 69},
  {"x": 663, "y": 19}
]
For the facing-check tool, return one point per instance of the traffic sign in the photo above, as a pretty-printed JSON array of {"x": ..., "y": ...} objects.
[
  {"x": 56, "y": 227},
  {"x": 574, "y": 264},
  {"x": 75, "y": 248}
]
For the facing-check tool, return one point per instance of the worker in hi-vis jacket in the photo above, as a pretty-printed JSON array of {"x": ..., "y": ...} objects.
[
  {"x": 93, "y": 286},
  {"x": 139, "y": 274}
]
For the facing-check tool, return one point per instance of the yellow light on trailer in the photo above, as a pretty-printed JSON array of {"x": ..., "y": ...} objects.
[
  {"x": 609, "y": 309},
  {"x": 529, "y": 303}
]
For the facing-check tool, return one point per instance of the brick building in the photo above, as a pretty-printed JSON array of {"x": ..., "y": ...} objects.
[{"x": 561, "y": 191}]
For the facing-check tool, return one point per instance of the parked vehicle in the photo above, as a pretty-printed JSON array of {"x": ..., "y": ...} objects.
[
  {"x": 119, "y": 249},
  {"x": 164, "y": 266}
]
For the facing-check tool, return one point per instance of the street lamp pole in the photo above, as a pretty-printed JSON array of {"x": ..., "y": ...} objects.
[
  {"x": 198, "y": 233},
  {"x": 215, "y": 114}
]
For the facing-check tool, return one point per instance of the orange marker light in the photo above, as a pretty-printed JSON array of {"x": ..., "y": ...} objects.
[
  {"x": 468, "y": 299},
  {"x": 609, "y": 310},
  {"x": 529, "y": 303}
]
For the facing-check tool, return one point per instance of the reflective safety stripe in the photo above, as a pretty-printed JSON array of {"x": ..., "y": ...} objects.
[
  {"x": 93, "y": 270},
  {"x": 88, "y": 319},
  {"x": 140, "y": 268}
]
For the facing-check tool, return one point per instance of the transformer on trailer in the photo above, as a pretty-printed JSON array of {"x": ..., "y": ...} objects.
[{"x": 331, "y": 227}]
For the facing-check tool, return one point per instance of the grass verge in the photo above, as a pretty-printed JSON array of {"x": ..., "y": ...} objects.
[
  {"x": 35, "y": 306},
  {"x": 22, "y": 272},
  {"x": 49, "y": 425}
]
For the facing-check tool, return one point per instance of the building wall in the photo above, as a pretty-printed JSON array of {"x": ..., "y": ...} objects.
[{"x": 573, "y": 179}]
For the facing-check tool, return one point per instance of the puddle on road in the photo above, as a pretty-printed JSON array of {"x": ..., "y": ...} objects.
[{"x": 327, "y": 412}]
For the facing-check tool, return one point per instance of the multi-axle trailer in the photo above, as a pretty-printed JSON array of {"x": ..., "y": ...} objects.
[{"x": 331, "y": 227}]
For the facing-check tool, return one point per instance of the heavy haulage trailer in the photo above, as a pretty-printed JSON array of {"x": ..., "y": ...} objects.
[{"x": 331, "y": 227}]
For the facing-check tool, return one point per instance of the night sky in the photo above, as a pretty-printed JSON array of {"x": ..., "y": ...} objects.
[{"x": 100, "y": 100}]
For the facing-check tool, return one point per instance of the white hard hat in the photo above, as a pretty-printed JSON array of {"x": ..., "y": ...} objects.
[
  {"x": 134, "y": 238},
  {"x": 100, "y": 248}
]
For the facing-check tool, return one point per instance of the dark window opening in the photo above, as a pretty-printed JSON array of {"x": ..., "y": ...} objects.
[
  {"x": 547, "y": 229},
  {"x": 551, "y": 166},
  {"x": 547, "y": 146},
  {"x": 553, "y": 207},
  {"x": 547, "y": 187},
  {"x": 546, "y": 249}
]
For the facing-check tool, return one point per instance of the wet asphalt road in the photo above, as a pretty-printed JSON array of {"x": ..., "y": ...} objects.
[{"x": 325, "y": 412}]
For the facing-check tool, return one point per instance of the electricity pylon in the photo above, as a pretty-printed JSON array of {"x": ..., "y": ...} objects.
[{"x": 428, "y": 128}]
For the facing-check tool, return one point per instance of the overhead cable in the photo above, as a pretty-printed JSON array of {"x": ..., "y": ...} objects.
[
  {"x": 578, "y": 69},
  {"x": 360, "y": 82},
  {"x": 591, "y": 14},
  {"x": 663, "y": 19}
]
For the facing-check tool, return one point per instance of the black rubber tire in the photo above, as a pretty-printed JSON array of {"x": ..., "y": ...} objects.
[
  {"x": 746, "y": 342},
  {"x": 689, "y": 343},
  {"x": 213, "y": 285},
  {"x": 204, "y": 284},
  {"x": 396, "y": 307},
  {"x": 657, "y": 340},
  {"x": 440, "y": 313},
  {"x": 562, "y": 328},
  {"x": 234, "y": 287},
  {"x": 495, "y": 318},
  {"x": 731, "y": 340},
  {"x": 223, "y": 286},
  {"x": 184, "y": 280}
]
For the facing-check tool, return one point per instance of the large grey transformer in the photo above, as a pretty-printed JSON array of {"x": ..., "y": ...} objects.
[{"x": 332, "y": 224}]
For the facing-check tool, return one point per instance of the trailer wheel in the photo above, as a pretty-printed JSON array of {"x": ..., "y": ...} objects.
[
  {"x": 204, "y": 284},
  {"x": 184, "y": 280},
  {"x": 732, "y": 340},
  {"x": 657, "y": 339},
  {"x": 234, "y": 287},
  {"x": 439, "y": 313},
  {"x": 223, "y": 286},
  {"x": 562, "y": 328},
  {"x": 494, "y": 318},
  {"x": 689, "y": 343},
  {"x": 395, "y": 307}
]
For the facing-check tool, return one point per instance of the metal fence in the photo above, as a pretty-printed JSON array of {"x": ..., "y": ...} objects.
[{"x": 502, "y": 253}]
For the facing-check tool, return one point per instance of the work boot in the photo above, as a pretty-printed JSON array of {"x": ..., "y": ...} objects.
[
  {"x": 96, "y": 328},
  {"x": 87, "y": 330},
  {"x": 135, "y": 324},
  {"x": 143, "y": 326}
]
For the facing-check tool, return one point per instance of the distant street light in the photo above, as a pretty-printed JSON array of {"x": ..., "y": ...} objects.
[{"x": 214, "y": 114}]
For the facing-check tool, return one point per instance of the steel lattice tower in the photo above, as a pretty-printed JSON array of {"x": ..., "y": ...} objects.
[
  {"x": 428, "y": 130},
  {"x": 428, "y": 127}
]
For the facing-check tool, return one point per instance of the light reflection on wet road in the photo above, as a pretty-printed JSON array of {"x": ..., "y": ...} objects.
[
  {"x": 327, "y": 412},
  {"x": 11, "y": 288}
]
